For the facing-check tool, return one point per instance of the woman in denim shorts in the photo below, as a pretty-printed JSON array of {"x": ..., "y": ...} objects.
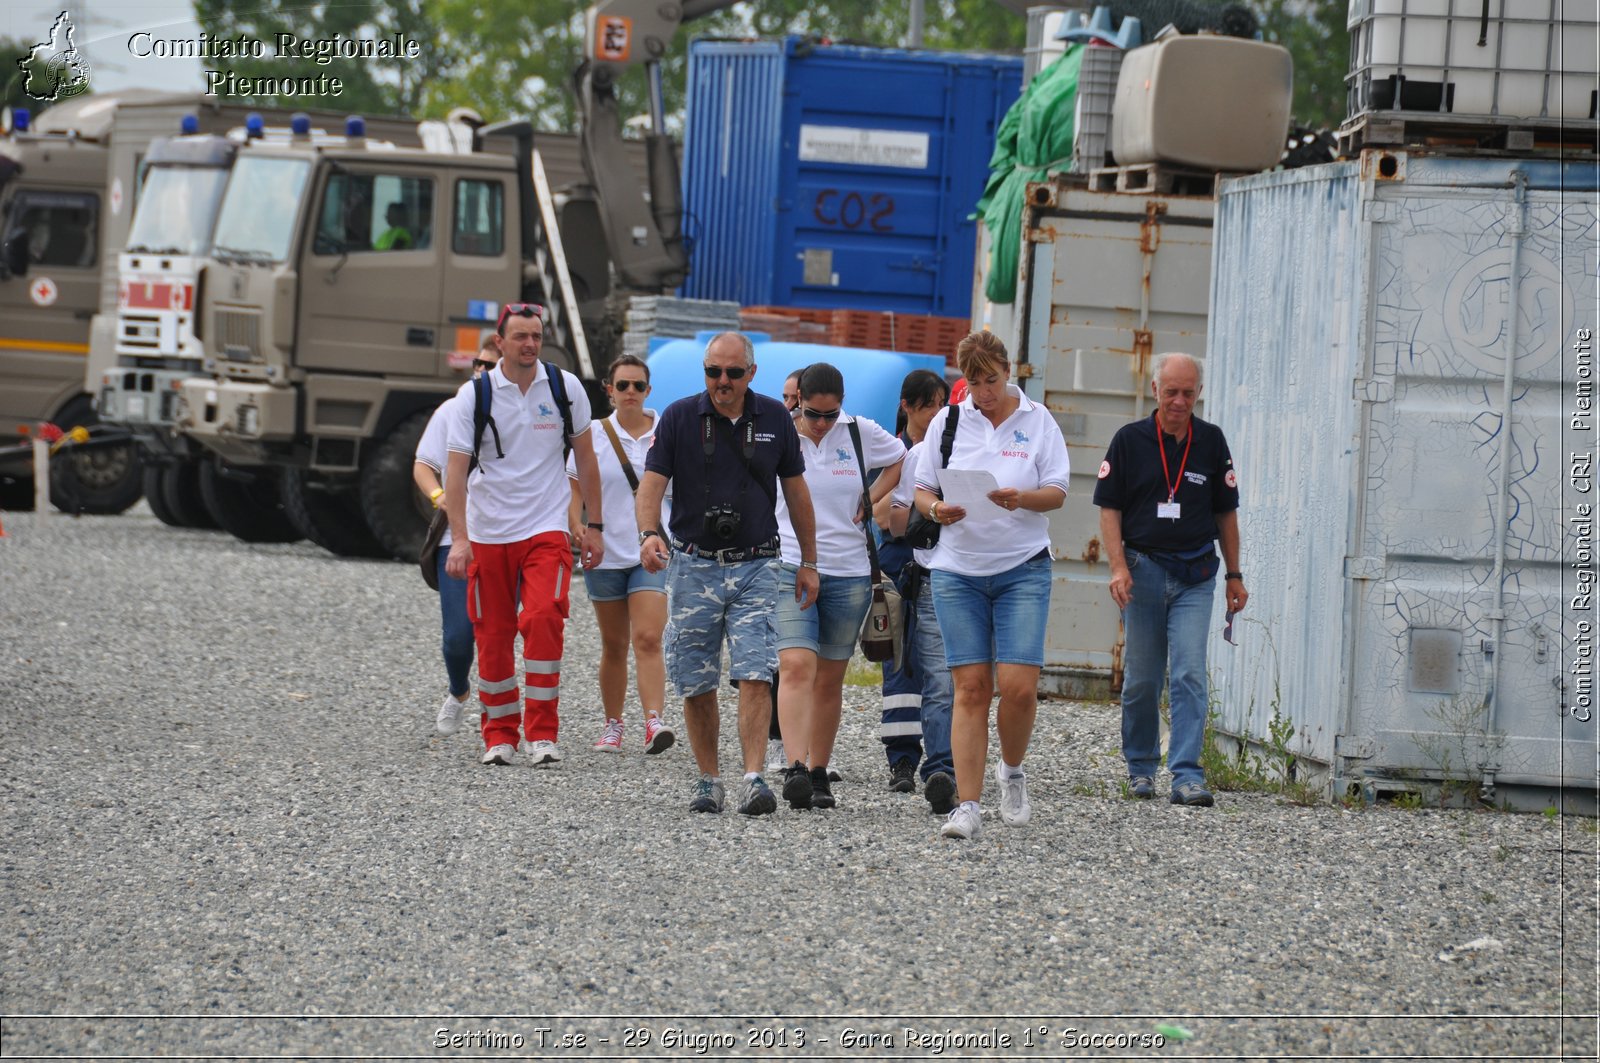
[
  {"x": 630, "y": 604},
  {"x": 991, "y": 571},
  {"x": 815, "y": 645}
]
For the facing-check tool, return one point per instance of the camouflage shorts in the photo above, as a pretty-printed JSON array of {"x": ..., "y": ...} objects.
[{"x": 707, "y": 600}]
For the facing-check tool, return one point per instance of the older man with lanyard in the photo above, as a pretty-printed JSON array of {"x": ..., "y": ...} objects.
[
  {"x": 725, "y": 450},
  {"x": 509, "y": 531},
  {"x": 1166, "y": 492}
]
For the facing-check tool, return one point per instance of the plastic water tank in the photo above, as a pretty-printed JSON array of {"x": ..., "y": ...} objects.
[{"x": 871, "y": 378}]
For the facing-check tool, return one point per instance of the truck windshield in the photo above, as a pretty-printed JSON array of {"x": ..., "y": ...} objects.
[
  {"x": 259, "y": 209},
  {"x": 176, "y": 209}
]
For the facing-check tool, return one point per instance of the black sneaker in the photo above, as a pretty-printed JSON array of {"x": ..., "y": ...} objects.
[
  {"x": 940, "y": 790},
  {"x": 758, "y": 799},
  {"x": 821, "y": 789},
  {"x": 903, "y": 777},
  {"x": 797, "y": 786}
]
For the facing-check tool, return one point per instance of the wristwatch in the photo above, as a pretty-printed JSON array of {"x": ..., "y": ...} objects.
[
  {"x": 596, "y": 525},
  {"x": 812, "y": 565},
  {"x": 648, "y": 534},
  {"x": 1234, "y": 575}
]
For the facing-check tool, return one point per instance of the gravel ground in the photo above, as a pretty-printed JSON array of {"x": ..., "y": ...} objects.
[{"x": 223, "y": 800}]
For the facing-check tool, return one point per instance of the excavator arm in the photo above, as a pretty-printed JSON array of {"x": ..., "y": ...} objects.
[{"x": 644, "y": 238}]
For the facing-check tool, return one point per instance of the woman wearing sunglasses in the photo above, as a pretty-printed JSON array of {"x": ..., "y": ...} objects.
[
  {"x": 630, "y": 604},
  {"x": 815, "y": 645},
  {"x": 428, "y": 474}
]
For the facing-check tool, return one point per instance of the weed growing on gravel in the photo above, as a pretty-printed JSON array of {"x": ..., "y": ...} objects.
[
  {"x": 863, "y": 673},
  {"x": 1411, "y": 802}
]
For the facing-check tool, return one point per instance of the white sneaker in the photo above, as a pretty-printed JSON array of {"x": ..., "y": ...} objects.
[
  {"x": 501, "y": 754},
  {"x": 964, "y": 821},
  {"x": 775, "y": 761},
  {"x": 448, "y": 721},
  {"x": 610, "y": 739},
  {"x": 544, "y": 752},
  {"x": 1014, "y": 807}
]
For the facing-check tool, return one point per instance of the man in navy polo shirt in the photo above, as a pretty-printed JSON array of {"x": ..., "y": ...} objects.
[
  {"x": 1167, "y": 491},
  {"x": 725, "y": 450}
]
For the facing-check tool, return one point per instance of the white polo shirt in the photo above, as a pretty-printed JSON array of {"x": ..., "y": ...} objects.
[
  {"x": 834, "y": 479},
  {"x": 525, "y": 493},
  {"x": 1026, "y": 452},
  {"x": 621, "y": 536},
  {"x": 905, "y": 493},
  {"x": 431, "y": 449}
]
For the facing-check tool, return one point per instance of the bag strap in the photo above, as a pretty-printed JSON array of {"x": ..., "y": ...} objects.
[
  {"x": 947, "y": 440},
  {"x": 616, "y": 445},
  {"x": 866, "y": 504},
  {"x": 482, "y": 399},
  {"x": 558, "y": 391}
]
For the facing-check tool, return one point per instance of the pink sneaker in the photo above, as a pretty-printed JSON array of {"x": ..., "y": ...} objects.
[
  {"x": 611, "y": 738},
  {"x": 658, "y": 737}
]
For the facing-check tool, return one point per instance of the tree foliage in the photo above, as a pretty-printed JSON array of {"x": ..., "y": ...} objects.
[
  {"x": 1314, "y": 33},
  {"x": 515, "y": 58}
]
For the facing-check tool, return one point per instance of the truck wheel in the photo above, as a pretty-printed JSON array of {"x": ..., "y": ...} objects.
[
  {"x": 16, "y": 495},
  {"x": 329, "y": 517},
  {"x": 101, "y": 480},
  {"x": 180, "y": 489},
  {"x": 245, "y": 503},
  {"x": 396, "y": 511},
  {"x": 153, "y": 494}
]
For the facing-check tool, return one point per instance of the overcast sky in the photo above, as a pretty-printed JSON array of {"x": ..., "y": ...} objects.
[{"x": 103, "y": 29}]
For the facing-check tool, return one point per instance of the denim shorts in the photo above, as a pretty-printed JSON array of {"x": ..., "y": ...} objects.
[
  {"x": 831, "y": 626},
  {"x": 708, "y": 602},
  {"x": 615, "y": 584},
  {"x": 994, "y": 619}
]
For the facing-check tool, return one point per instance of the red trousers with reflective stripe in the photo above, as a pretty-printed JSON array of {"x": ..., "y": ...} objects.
[{"x": 537, "y": 573}]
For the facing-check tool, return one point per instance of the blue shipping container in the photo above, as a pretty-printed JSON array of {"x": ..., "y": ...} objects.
[{"x": 838, "y": 177}]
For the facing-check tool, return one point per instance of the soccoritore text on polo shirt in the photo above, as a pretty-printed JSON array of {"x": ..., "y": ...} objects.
[
  {"x": 834, "y": 478},
  {"x": 1027, "y": 452},
  {"x": 621, "y": 537},
  {"x": 525, "y": 493}
]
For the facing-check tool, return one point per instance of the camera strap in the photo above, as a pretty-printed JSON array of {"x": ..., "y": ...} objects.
[{"x": 747, "y": 451}]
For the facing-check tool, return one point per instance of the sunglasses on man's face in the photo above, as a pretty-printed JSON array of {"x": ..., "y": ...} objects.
[
  {"x": 518, "y": 310},
  {"x": 732, "y": 372},
  {"x": 820, "y": 415},
  {"x": 640, "y": 386}
]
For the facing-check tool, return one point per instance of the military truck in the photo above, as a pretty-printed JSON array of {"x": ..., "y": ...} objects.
[
  {"x": 147, "y": 344},
  {"x": 62, "y": 218},
  {"x": 328, "y": 354}
]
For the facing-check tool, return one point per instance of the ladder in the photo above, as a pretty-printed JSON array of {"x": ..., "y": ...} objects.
[{"x": 551, "y": 261}]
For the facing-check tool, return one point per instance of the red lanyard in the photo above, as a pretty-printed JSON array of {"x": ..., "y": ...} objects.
[{"x": 1172, "y": 487}]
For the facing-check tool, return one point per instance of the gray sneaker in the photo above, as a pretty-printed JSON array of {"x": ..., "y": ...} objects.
[
  {"x": 1141, "y": 786},
  {"x": 1192, "y": 794},
  {"x": 758, "y": 799},
  {"x": 707, "y": 795}
]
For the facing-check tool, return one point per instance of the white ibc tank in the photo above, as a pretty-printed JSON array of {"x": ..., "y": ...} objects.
[
  {"x": 1524, "y": 59},
  {"x": 1215, "y": 103}
]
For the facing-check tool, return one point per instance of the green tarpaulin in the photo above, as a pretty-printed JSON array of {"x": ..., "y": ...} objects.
[{"x": 1034, "y": 138}]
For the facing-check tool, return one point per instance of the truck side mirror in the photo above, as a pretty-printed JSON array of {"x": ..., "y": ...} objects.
[{"x": 14, "y": 254}]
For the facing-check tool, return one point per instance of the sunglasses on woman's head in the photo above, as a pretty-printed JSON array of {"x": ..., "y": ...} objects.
[
  {"x": 820, "y": 415},
  {"x": 484, "y": 364},
  {"x": 641, "y": 386},
  {"x": 732, "y": 372}
]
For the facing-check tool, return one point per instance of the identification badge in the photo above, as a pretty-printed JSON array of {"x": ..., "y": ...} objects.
[{"x": 1168, "y": 510}]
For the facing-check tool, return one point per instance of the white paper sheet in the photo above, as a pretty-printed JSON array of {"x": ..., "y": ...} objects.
[{"x": 969, "y": 489}]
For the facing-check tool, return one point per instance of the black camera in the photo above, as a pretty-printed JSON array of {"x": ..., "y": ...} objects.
[{"x": 722, "y": 522}]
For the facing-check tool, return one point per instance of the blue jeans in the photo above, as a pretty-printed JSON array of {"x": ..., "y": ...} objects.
[
  {"x": 998, "y": 619},
  {"x": 457, "y": 625},
  {"x": 1166, "y": 622},
  {"x": 938, "y": 689}
]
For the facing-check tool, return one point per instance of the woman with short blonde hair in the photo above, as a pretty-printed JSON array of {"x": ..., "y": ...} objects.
[{"x": 991, "y": 571}]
